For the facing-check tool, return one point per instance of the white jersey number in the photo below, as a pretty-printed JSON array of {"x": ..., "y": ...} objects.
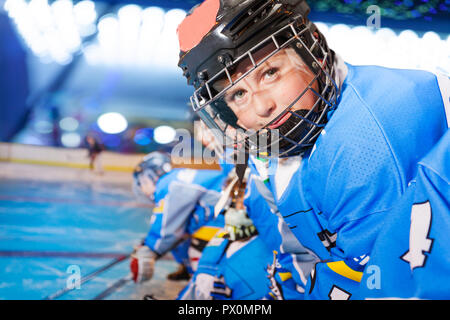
[{"x": 419, "y": 243}]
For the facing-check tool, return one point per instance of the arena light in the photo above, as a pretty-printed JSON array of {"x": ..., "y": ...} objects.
[
  {"x": 53, "y": 32},
  {"x": 71, "y": 140},
  {"x": 68, "y": 124},
  {"x": 112, "y": 123},
  {"x": 84, "y": 12},
  {"x": 143, "y": 136},
  {"x": 164, "y": 134},
  {"x": 137, "y": 37},
  {"x": 43, "y": 127},
  {"x": 360, "y": 45},
  {"x": 129, "y": 18},
  {"x": 152, "y": 23},
  {"x": 168, "y": 50},
  {"x": 108, "y": 40}
]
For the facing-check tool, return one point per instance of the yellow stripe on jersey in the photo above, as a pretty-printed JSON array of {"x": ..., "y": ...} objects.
[
  {"x": 285, "y": 275},
  {"x": 160, "y": 207},
  {"x": 222, "y": 234},
  {"x": 344, "y": 270},
  {"x": 205, "y": 233}
]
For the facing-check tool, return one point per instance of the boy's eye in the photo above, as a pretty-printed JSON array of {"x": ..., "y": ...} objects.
[
  {"x": 239, "y": 94},
  {"x": 270, "y": 73}
]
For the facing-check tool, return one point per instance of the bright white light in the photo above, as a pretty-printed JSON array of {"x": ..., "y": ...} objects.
[
  {"x": 58, "y": 52},
  {"x": 129, "y": 25},
  {"x": 164, "y": 134},
  {"x": 364, "y": 38},
  {"x": 41, "y": 13},
  {"x": 323, "y": 28},
  {"x": 92, "y": 54},
  {"x": 108, "y": 31},
  {"x": 112, "y": 122},
  {"x": 153, "y": 16},
  {"x": 65, "y": 24},
  {"x": 168, "y": 50},
  {"x": 84, "y": 12},
  {"x": 69, "y": 124},
  {"x": 173, "y": 18},
  {"x": 340, "y": 40},
  {"x": 15, "y": 7},
  {"x": 130, "y": 13},
  {"x": 149, "y": 37},
  {"x": 71, "y": 140}
]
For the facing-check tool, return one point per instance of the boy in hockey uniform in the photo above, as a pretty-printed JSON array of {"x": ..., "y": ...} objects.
[
  {"x": 183, "y": 218},
  {"x": 410, "y": 258},
  {"x": 343, "y": 140}
]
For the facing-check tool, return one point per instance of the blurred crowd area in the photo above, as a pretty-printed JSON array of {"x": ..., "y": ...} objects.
[{"x": 109, "y": 68}]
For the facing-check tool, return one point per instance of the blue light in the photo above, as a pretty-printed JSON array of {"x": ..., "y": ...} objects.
[{"x": 143, "y": 136}]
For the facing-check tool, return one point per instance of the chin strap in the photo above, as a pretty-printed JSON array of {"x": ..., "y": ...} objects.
[{"x": 237, "y": 180}]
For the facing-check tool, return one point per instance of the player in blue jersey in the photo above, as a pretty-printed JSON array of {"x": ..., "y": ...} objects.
[
  {"x": 183, "y": 219},
  {"x": 342, "y": 142},
  {"x": 410, "y": 258},
  {"x": 234, "y": 263},
  {"x": 242, "y": 261}
]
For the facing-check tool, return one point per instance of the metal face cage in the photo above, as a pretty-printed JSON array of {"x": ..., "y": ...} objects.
[{"x": 302, "y": 135}]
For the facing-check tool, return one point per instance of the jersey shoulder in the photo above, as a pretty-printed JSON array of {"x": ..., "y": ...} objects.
[
  {"x": 163, "y": 184},
  {"x": 209, "y": 179},
  {"x": 381, "y": 128},
  {"x": 408, "y": 106},
  {"x": 437, "y": 162}
]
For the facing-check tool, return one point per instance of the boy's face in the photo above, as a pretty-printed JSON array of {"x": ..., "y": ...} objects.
[
  {"x": 147, "y": 186},
  {"x": 266, "y": 92}
]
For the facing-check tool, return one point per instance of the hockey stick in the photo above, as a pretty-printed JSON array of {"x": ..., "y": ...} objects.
[
  {"x": 60, "y": 254},
  {"x": 88, "y": 277},
  {"x": 116, "y": 285},
  {"x": 121, "y": 282}
]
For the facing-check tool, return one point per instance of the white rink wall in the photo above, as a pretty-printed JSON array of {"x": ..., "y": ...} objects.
[
  {"x": 19, "y": 161},
  {"x": 64, "y": 157}
]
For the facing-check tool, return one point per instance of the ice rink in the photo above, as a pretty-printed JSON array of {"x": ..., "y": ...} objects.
[{"x": 57, "y": 221}]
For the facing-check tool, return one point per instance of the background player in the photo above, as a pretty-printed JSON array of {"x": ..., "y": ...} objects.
[
  {"x": 183, "y": 217},
  {"x": 233, "y": 264}
]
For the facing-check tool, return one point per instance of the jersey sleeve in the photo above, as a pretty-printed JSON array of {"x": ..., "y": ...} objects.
[{"x": 168, "y": 225}]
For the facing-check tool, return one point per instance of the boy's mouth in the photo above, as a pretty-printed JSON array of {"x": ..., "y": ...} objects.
[{"x": 280, "y": 121}]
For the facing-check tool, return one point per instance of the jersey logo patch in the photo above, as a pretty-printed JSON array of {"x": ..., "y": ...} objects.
[
  {"x": 328, "y": 239},
  {"x": 337, "y": 293}
]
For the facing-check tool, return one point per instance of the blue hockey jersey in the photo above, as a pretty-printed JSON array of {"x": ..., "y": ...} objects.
[
  {"x": 335, "y": 198},
  {"x": 231, "y": 270},
  {"x": 411, "y": 256},
  {"x": 185, "y": 201}
]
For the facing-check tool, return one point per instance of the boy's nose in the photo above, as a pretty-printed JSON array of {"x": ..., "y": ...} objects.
[{"x": 264, "y": 106}]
